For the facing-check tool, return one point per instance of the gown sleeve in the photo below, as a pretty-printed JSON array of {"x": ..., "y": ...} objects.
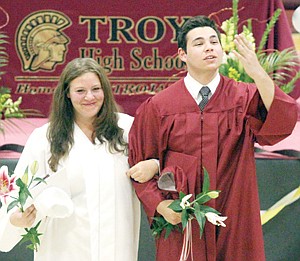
[
  {"x": 33, "y": 150},
  {"x": 144, "y": 144},
  {"x": 278, "y": 122}
]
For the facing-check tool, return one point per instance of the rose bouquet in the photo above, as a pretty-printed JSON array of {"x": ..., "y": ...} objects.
[{"x": 18, "y": 190}]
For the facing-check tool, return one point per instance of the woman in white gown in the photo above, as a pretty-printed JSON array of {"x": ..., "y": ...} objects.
[{"x": 85, "y": 141}]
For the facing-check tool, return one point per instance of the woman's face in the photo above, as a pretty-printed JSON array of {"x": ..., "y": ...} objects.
[{"x": 87, "y": 96}]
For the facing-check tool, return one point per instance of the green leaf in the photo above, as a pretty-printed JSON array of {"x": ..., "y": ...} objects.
[
  {"x": 169, "y": 229},
  {"x": 175, "y": 206},
  {"x": 205, "y": 186},
  {"x": 37, "y": 225},
  {"x": 287, "y": 88},
  {"x": 200, "y": 195},
  {"x": 189, "y": 211},
  {"x": 39, "y": 180},
  {"x": 159, "y": 219},
  {"x": 23, "y": 188},
  {"x": 31, "y": 247},
  {"x": 12, "y": 205},
  {"x": 32, "y": 236},
  {"x": 269, "y": 27},
  {"x": 184, "y": 218},
  {"x": 20, "y": 183},
  {"x": 280, "y": 65},
  {"x": 22, "y": 198},
  {"x": 235, "y": 17},
  {"x": 203, "y": 199},
  {"x": 181, "y": 195},
  {"x": 25, "y": 238},
  {"x": 200, "y": 216},
  {"x": 205, "y": 209},
  {"x": 159, "y": 224}
]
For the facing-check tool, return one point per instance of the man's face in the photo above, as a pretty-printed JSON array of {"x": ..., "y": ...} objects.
[{"x": 204, "y": 51}]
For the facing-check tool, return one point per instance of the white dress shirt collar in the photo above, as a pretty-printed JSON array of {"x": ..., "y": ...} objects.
[{"x": 194, "y": 86}]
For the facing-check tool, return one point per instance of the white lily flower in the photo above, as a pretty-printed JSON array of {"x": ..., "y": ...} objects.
[
  {"x": 215, "y": 219},
  {"x": 184, "y": 202}
]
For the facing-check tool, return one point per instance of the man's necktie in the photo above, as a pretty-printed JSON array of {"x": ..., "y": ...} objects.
[{"x": 204, "y": 93}]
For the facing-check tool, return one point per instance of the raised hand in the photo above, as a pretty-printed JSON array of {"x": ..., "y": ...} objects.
[
  {"x": 247, "y": 56},
  {"x": 249, "y": 60}
]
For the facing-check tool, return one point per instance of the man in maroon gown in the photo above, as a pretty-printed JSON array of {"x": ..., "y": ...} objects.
[{"x": 172, "y": 128}]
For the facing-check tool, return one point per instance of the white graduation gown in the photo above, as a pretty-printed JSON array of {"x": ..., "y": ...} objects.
[{"x": 106, "y": 219}]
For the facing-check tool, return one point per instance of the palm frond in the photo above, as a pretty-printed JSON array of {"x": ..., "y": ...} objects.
[
  {"x": 278, "y": 60},
  {"x": 279, "y": 64},
  {"x": 291, "y": 84}
]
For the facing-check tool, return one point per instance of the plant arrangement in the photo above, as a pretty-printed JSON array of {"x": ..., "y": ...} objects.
[{"x": 282, "y": 66}]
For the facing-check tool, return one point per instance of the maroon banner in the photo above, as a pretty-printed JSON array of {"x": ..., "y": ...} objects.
[{"x": 135, "y": 41}]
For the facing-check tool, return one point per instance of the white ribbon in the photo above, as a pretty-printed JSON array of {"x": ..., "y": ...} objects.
[{"x": 187, "y": 245}]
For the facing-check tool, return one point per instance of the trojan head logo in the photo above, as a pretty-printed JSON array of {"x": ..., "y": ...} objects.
[{"x": 40, "y": 42}]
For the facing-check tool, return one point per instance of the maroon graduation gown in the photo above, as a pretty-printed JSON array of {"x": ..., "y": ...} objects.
[{"x": 170, "y": 127}]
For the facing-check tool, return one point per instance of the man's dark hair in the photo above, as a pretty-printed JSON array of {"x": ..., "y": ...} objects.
[{"x": 194, "y": 22}]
